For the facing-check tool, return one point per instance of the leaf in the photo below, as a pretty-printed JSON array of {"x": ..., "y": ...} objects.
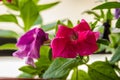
[
  {"x": 36, "y": 1},
  {"x": 8, "y": 46},
  {"x": 8, "y": 18},
  {"x": 103, "y": 41},
  {"x": 116, "y": 57},
  {"x": 69, "y": 24},
  {"x": 93, "y": 25},
  {"x": 50, "y": 26},
  {"x": 118, "y": 23},
  {"x": 39, "y": 20},
  {"x": 109, "y": 15},
  {"x": 114, "y": 40},
  {"x": 28, "y": 69},
  {"x": 43, "y": 62},
  {"x": 8, "y": 34},
  {"x": 101, "y": 71},
  {"x": 92, "y": 12},
  {"x": 11, "y": 6},
  {"x": 102, "y": 13},
  {"x": 29, "y": 14},
  {"x": 107, "y": 5},
  {"x": 42, "y": 7},
  {"x": 25, "y": 75},
  {"x": 60, "y": 68},
  {"x": 82, "y": 75}
]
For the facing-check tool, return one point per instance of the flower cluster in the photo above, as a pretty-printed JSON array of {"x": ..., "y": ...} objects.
[{"x": 68, "y": 42}]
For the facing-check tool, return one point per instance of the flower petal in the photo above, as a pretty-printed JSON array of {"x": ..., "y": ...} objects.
[
  {"x": 97, "y": 34},
  {"x": 26, "y": 38},
  {"x": 30, "y": 61},
  {"x": 62, "y": 47},
  {"x": 64, "y": 31},
  {"x": 83, "y": 26},
  {"x": 86, "y": 43},
  {"x": 19, "y": 54}
]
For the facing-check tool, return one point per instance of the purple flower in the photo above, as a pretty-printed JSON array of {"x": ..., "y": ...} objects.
[
  {"x": 117, "y": 13},
  {"x": 29, "y": 45}
]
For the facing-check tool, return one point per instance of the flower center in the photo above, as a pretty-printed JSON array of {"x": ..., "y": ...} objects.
[{"x": 74, "y": 36}]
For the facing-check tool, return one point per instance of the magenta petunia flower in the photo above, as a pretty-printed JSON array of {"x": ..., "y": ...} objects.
[
  {"x": 29, "y": 45},
  {"x": 70, "y": 42}
]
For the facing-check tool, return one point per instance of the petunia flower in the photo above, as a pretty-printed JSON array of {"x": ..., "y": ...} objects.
[
  {"x": 117, "y": 13},
  {"x": 29, "y": 45},
  {"x": 71, "y": 42}
]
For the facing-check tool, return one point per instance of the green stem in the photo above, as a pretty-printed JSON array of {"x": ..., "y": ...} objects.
[{"x": 76, "y": 73}]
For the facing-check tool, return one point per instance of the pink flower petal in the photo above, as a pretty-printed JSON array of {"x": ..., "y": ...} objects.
[
  {"x": 83, "y": 26},
  {"x": 97, "y": 34},
  {"x": 64, "y": 31},
  {"x": 86, "y": 43},
  {"x": 62, "y": 48}
]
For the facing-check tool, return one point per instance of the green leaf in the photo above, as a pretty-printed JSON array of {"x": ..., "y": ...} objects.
[
  {"x": 43, "y": 62},
  {"x": 102, "y": 14},
  {"x": 118, "y": 23},
  {"x": 13, "y": 7},
  {"x": 21, "y": 3},
  {"x": 25, "y": 75},
  {"x": 108, "y": 5},
  {"x": 82, "y": 75},
  {"x": 42, "y": 7},
  {"x": 102, "y": 71},
  {"x": 28, "y": 69},
  {"x": 8, "y": 46},
  {"x": 60, "y": 68},
  {"x": 93, "y": 25},
  {"x": 109, "y": 15},
  {"x": 8, "y": 18},
  {"x": 116, "y": 57},
  {"x": 69, "y": 24},
  {"x": 8, "y": 34},
  {"x": 36, "y": 1},
  {"x": 50, "y": 26},
  {"x": 29, "y": 14},
  {"x": 39, "y": 20},
  {"x": 103, "y": 41},
  {"x": 114, "y": 40},
  {"x": 93, "y": 13}
]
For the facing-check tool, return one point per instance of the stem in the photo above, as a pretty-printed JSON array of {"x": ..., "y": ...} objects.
[{"x": 76, "y": 73}]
